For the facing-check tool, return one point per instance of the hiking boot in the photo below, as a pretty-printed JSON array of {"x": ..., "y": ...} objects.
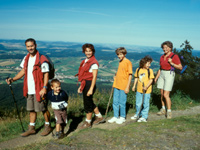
[
  {"x": 112, "y": 120},
  {"x": 31, "y": 130},
  {"x": 120, "y": 120},
  {"x": 134, "y": 117},
  {"x": 169, "y": 115},
  {"x": 85, "y": 125},
  {"x": 162, "y": 112},
  {"x": 46, "y": 130},
  {"x": 98, "y": 120},
  {"x": 142, "y": 120},
  {"x": 58, "y": 135}
]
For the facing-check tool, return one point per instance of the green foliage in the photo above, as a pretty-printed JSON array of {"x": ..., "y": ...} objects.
[{"x": 193, "y": 62}]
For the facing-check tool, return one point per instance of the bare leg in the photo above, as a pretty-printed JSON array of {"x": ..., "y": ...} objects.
[
  {"x": 96, "y": 110},
  {"x": 89, "y": 116},
  {"x": 46, "y": 116},
  {"x": 58, "y": 127},
  {"x": 33, "y": 116},
  {"x": 162, "y": 97},
  {"x": 167, "y": 98}
]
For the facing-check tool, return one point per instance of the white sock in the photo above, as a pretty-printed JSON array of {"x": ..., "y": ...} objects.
[
  {"x": 32, "y": 124},
  {"x": 169, "y": 110},
  {"x": 89, "y": 121},
  {"x": 98, "y": 115},
  {"x": 46, "y": 123},
  {"x": 163, "y": 107}
]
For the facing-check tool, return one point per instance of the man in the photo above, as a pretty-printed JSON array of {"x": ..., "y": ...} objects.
[{"x": 35, "y": 70}]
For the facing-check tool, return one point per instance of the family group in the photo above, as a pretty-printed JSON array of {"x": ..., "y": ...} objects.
[{"x": 35, "y": 70}]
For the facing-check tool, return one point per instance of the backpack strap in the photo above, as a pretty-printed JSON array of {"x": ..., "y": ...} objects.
[{"x": 138, "y": 72}]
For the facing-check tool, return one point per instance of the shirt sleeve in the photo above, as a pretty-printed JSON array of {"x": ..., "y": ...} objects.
[
  {"x": 22, "y": 63},
  {"x": 136, "y": 73},
  {"x": 176, "y": 60},
  {"x": 151, "y": 74},
  {"x": 45, "y": 67},
  {"x": 93, "y": 67},
  {"x": 130, "y": 70}
]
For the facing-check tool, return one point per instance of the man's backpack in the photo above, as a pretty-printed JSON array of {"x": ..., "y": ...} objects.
[
  {"x": 51, "y": 66},
  {"x": 183, "y": 63}
]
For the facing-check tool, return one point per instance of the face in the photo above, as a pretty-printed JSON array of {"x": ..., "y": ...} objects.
[
  {"x": 56, "y": 88},
  {"x": 88, "y": 53},
  {"x": 166, "y": 49},
  {"x": 147, "y": 65},
  {"x": 120, "y": 56},
  {"x": 31, "y": 47}
]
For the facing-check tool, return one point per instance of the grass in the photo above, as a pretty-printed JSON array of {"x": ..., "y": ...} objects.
[{"x": 10, "y": 125}]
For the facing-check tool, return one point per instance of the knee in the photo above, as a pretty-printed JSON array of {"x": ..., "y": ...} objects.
[{"x": 166, "y": 95}]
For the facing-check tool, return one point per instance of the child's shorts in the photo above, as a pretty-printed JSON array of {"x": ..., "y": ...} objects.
[
  {"x": 60, "y": 116},
  {"x": 166, "y": 80}
]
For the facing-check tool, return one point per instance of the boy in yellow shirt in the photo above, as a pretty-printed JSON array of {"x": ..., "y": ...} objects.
[
  {"x": 143, "y": 78},
  {"x": 121, "y": 86}
]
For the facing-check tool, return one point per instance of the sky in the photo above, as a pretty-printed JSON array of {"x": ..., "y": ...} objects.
[{"x": 132, "y": 22}]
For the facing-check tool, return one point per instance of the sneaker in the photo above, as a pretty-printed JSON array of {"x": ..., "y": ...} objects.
[
  {"x": 112, "y": 120},
  {"x": 120, "y": 120},
  {"x": 31, "y": 130},
  {"x": 169, "y": 115},
  {"x": 142, "y": 120},
  {"x": 58, "y": 135},
  {"x": 134, "y": 117},
  {"x": 85, "y": 125},
  {"x": 162, "y": 112},
  {"x": 98, "y": 120},
  {"x": 47, "y": 130}
]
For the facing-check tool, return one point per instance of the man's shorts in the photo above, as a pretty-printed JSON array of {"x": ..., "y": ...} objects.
[
  {"x": 166, "y": 80},
  {"x": 60, "y": 116},
  {"x": 34, "y": 105}
]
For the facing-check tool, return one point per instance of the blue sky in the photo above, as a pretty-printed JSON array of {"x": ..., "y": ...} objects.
[{"x": 134, "y": 22}]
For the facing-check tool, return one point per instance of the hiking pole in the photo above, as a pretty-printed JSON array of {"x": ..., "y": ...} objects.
[
  {"x": 108, "y": 103},
  {"x": 138, "y": 116},
  {"x": 16, "y": 107}
]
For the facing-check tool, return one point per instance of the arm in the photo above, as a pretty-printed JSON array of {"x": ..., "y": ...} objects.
[
  {"x": 148, "y": 84},
  {"x": 46, "y": 80},
  {"x": 94, "y": 72},
  {"x": 179, "y": 66},
  {"x": 134, "y": 84},
  {"x": 17, "y": 77},
  {"x": 128, "y": 85},
  {"x": 157, "y": 76},
  {"x": 79, "y": 89}
]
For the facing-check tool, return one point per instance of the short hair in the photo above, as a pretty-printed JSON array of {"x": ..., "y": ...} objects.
[
  {"x": 55, "y": 81},
  {"x": 144, "y": 60},
  {"x": 168, "y": 43},
  {"x": 87, "y": 45},
  {"x": 30, "y": 40},
  {"x": 121, "y": 50}
]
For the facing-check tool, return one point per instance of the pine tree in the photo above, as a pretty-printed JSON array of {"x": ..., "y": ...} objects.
[{"x": 193, "y": 70}]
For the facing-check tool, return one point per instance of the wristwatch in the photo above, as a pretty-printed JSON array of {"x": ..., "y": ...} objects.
[{"x": 45, "y": 87}]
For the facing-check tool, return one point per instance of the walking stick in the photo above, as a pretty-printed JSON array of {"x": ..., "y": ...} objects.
[
  {"x": 108, "y": 103},
  {"x": 16, "y": 107},
  {"x": 138, "y": 116}
]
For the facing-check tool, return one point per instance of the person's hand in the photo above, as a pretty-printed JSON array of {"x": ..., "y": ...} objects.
[
  {"x": 90, "y": 92},
  {"x": 133, "y": 88},
  {"x": 170, "y": 60},
  {"x": 43, "y": 92},
  {"x": 144, "y": 88},
  {"x": 9, "y": 80},
  {"x": 79, "y": 90},
  {"x": 126, "y": 90}
]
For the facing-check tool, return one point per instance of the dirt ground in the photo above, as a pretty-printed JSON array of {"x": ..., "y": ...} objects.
[{"x": 20, "y": 141}]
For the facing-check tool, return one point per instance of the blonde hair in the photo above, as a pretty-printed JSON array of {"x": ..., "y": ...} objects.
[{"x": 55, "y": 81}]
